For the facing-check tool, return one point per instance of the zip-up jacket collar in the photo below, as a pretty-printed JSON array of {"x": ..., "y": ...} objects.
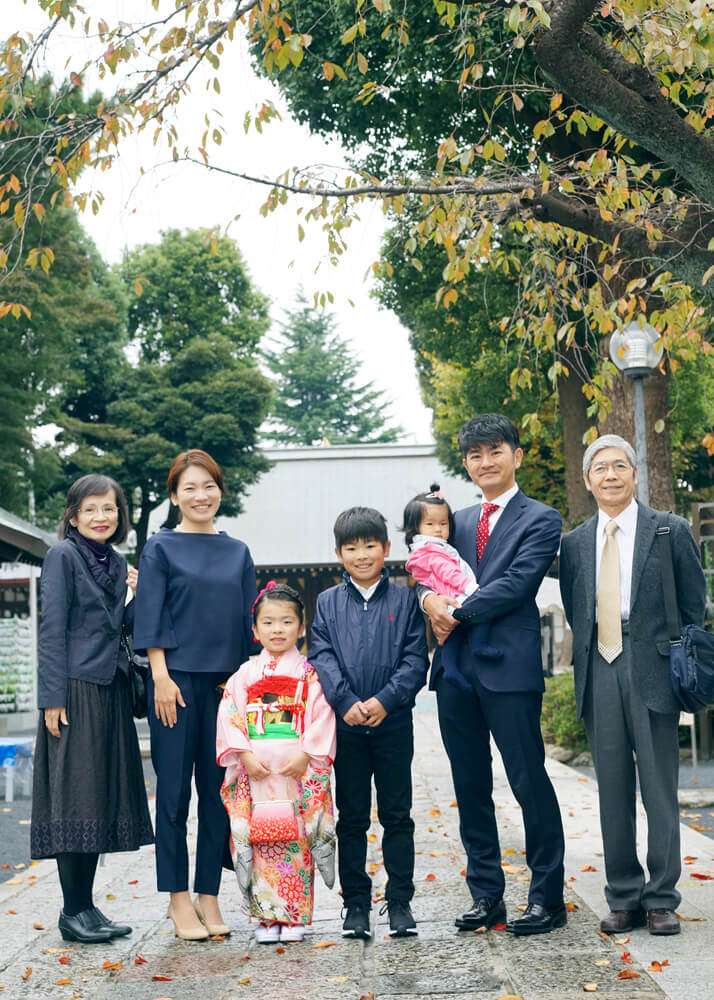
[{"x": 355, "y": 594}]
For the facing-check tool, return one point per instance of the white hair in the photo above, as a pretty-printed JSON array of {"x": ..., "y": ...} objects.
[{"x": 608, "y": 441}]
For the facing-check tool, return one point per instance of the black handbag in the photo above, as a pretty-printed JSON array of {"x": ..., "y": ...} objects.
[
  {"x": 691, "y": 648},
  {"x": 138, "y": 671}
]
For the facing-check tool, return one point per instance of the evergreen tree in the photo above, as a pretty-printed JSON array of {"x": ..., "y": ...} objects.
[{"x": 318, "y": 394}]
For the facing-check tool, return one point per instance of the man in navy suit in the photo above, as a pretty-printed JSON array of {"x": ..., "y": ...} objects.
[{"x": 509, "y": 541}]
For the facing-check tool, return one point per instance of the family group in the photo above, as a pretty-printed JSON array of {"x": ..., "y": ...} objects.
[{"x": 235, "y": 706}]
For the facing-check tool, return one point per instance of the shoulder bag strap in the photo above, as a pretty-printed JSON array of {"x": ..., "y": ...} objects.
[{"x": 664, "y": 552}]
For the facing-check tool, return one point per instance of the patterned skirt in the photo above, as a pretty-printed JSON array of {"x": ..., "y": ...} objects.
[{"x": 88, "y": 787}]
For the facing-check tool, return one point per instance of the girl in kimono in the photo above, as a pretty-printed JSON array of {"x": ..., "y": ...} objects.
[{"x": 276, "y": 739}]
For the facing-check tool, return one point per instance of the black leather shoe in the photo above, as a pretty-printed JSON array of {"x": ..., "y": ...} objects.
[
  {"x": 663, "y": 922},
  {"x": 539, "y": 919},
  {"x": 82, "y": 927},
  {"x": 105, "y": 924},
  {"x": 484, "y": 913}
]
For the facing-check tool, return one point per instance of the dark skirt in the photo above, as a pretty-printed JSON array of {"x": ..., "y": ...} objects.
[{"x": 88, "y": 788}]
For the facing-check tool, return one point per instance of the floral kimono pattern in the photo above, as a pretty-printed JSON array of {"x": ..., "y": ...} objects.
[{"x": 273, "y": 707}]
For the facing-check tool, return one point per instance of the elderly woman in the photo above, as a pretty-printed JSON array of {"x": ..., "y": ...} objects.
[
  {"x": 89, "y": 796},
  {"x": 197, "y": 585}
]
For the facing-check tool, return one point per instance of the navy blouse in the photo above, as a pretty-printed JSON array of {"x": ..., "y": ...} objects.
[{"x": 194, "y": 600}]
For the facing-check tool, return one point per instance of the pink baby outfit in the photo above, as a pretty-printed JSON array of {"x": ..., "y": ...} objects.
[
  {"x": 437, "y": 565},
  {"x": 274, "y": 706}
]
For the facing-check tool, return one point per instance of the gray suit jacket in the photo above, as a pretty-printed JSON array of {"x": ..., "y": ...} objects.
[{"x": 648, "y": 627}]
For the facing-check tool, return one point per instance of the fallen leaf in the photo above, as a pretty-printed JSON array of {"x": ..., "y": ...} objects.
[
  {"x": 63, "y": 982},
  {"x": 112, "y": 966},
  {"x": 18, "y": 868},
  {"x": 498, "y": 927},
  {"x": 139, "y": 960},
  {"x": 589, "y": 987},
  {"x": 628, "y": 974},
  {"x": 435, "y": 811},
  {"x": 64, "y": 960},
  {"x": 244, "y": 982},
  {"x": 11, "y": 913},
  {"x": 511, "y": 996},
  {"x": 621, "y": 940},
  {"x": 679, "y": 916},
  {"x": 588, "y": 868},
  {"x": 626, "y": 957},
  {"x": 462, "y": 872},
  {"x": 324, "y": 944},
  {"x": 689, "y": 858},
  {"x": 134, "y": 881},
  {"x": 453, "y": 804},
  {"x": 602, "y": 961},
  {"x": 702, "y": 876},
  {"x": 658, "y": 966},
  {"x": 367, "y": 996},
  {"x": 431, "y": 877},
  {"x": 38, "y": 926},
  {"x": 372, "y": 838},
  {"x": 26, "y": 974},
  {"x": 245, "y": 958},
  {"x": 337, "y": 979},
  {"x": 280, "y": 950},
  {"x": 15, "y": 880},
  {"x": 110, "y": 897},
  {"x": 571, "y": 907},
  {"x": 161, "y": 979}
]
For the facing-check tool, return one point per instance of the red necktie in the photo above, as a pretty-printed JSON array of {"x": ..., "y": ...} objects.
[{"x": 483, "y": 530}]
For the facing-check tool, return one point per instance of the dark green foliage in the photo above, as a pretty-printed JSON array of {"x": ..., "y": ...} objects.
[
  {"x": 318, "y": 395},
  {"x": 559, "y": 721}
]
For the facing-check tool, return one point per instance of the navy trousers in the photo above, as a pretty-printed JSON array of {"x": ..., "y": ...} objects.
[
  {"x": 177, "y": 754},
  {"x": 467, "y": 721}
]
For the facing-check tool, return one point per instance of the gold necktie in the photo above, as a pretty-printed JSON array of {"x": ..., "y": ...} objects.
[{"x": 609, "y": 625}]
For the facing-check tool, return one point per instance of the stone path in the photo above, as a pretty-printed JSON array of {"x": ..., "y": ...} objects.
[{"x": 441, "y": 963}]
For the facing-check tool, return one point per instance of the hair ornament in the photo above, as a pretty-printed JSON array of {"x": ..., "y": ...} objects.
[
  {"x": 270, "y": 585},
  {"x": 435, "y": 493}
]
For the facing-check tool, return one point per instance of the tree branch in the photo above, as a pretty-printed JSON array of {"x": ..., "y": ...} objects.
[{"x": 599, "y": 78}]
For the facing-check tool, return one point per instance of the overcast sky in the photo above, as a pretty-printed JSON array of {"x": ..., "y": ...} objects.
[{"x": 137, "y": 209}]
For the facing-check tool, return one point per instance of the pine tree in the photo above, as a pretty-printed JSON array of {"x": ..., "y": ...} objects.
[{"x": 318, "y": 394}]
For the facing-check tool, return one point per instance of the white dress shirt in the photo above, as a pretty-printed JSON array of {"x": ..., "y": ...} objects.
[
  {"x": 366, "y": 592},
  {"x": 502, "y": 500},
  {"x": 625, "y": 537}
]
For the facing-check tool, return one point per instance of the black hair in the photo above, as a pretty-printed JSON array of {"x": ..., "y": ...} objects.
[
  {"x": 94, "y": 485},
  {"x": 360, "y": 523},
  {"x": 490, "y": 429},
  {"x": 414, "y": 511},
  {"x": 280, "y": 592}
]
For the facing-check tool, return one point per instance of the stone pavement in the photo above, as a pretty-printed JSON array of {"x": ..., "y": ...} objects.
[{"x": 441, "y": 963}]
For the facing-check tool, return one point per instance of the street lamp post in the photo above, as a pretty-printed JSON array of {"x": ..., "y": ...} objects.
[{"x": 636, "y": 351}]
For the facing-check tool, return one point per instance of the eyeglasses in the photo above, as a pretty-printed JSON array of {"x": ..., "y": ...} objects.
[
  {"x": 619, "y": 468},
  {"x": 90, "y": 512}
]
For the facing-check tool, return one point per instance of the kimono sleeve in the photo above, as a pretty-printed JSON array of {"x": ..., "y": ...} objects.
[
  {"x": 319, "y": 735},
  {"x": 56, "y": 588},
  {"x": 231, "y": 731},
  {"x": 153, "y": 628}
]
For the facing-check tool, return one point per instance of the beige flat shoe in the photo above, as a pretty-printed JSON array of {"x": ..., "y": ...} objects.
[
  {"x": 213, "y": 929},
  {"x": 187, "y": 933}
]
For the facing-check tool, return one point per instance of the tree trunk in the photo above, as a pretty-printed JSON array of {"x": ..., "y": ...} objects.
[
  {"x": 142, "y": 525},
  {"x": 574, "y": 423},
  {"x": 659, "y": 449}
]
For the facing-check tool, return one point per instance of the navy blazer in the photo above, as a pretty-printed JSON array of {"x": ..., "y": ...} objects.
[
  {"x": 519, "y": 552},
  {"x": 82, "y": 617}
]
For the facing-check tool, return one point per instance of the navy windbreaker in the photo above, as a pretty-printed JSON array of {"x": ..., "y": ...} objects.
[{"x": 363, "y": 649}]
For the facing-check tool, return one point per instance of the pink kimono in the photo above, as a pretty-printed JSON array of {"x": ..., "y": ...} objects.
[
  {"x": 437, "y": 565},
  {"x": 274, "y": 706}
]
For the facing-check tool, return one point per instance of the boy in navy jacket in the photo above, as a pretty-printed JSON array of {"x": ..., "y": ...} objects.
[{"x": 368, "y": 646}]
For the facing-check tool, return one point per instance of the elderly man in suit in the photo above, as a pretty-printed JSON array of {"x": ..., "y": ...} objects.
[
  {"x": 510, "y": 541},
  {"x": 611, "y": 584}
]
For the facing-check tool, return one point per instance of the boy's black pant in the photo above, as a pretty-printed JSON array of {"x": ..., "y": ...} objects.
[{"x": 386, "y": 755}]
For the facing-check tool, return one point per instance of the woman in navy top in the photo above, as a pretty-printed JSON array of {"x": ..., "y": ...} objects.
[{"x": 192, "y": 617}]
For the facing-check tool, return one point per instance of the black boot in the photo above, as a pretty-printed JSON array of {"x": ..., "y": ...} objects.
[
  {"x": 82, "y": 927},
  {"x": 103, "y": 923}
]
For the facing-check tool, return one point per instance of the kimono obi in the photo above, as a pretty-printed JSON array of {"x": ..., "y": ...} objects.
[{"x": 276, "y": 708}]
